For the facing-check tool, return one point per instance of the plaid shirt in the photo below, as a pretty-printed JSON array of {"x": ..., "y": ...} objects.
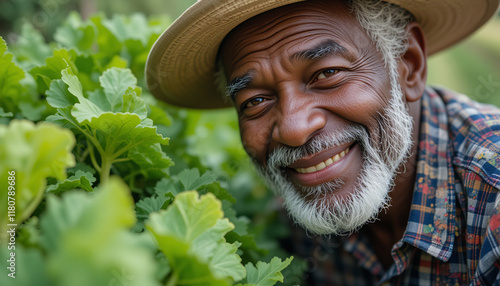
[{"x": 453, "y": 233}]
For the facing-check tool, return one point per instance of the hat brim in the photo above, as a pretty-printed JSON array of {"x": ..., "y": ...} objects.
[{"x": 180, "y": 69}]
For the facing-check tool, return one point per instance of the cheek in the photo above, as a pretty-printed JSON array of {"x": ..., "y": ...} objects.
[
  {"x": 255, "y": 139},
  {"x": 369, "y": 88},
  {"x": 362, "y": 103}
]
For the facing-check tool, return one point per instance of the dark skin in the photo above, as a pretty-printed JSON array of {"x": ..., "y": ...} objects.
[{"x": 289, "y": 97}]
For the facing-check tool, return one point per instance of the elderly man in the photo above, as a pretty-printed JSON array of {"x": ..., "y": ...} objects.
[{"x": 334, "y": 111}]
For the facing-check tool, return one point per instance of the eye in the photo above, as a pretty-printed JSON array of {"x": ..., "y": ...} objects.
[
  {"x": 252, "y": 102},
  {"x": 326, "y": 73}
]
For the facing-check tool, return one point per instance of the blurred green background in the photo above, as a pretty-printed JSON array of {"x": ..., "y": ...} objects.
[{"x": 471, "y": 67}]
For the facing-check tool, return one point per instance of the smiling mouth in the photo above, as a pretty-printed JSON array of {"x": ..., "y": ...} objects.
[{"x": 324, "y": 164}]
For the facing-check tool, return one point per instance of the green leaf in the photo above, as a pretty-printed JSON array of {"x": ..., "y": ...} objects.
[
  {"x": 114, "y": 135},
  {"x": 152, "y": 161},
  {"x": 188, "y": 217},
  {"x": 88, "y": 239},
  {"x": 99, "y": 98},
  {"x": 266, "y": 274},
  {"x": 191, "y": 231},
  {"x": 117, "y": 136},
  {"x": 240, "y": 223},
  {"x": 17, "y": 91},
  {"x": 109, "y": 46},
  {"x": 159, "y": 116},
  {"x": 30, "y": 47},
  {"x": 10, "y": 74},
  {"x": 123, "y": 131},
  {"x": 134, "y": 27},
  {"x": 5, "y": 114},
  {"x": 226, "y": 263},
  {"x": 191, "y": 179},
  {"x": 58, "y": 95},
  {"x": 190, "y": 271},
  {"x": 150, "y": 205},
  {"x": 220, "y": 192},
  {"x": 132, "y": 103},
  {"x": 60, "y": 60},
  {"x": 79, "y": 210},
  {"x": 115, "y": 82},
  {"x": 85, "y": 109},
  {"x": 168, "y": 187},
  {"x": 81, "y": 167},
  {"x": 32, "y": 111},
  {"x": 75, "y": 33},
  {"x": 206, "y": 243},
  {"x": 29, "y": 233},
  {"x": 116, "y": 62},
  {"x": 64, "y": 118},
  {"x": 88, "y": 69},
  {"x": 26, "y": 149},
  {"x": 80, "y": 180}
]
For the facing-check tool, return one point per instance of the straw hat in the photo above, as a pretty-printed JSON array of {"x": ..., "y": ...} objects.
[{"x": 181, "y": 65}]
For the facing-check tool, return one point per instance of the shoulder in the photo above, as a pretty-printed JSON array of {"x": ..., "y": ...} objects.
[
  {"x": 488, "y": 268},
  {"x": 471, "y": 119},
  {"x": 474, "y": 130}
]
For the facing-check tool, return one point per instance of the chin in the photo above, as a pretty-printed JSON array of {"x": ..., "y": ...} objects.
[{"x": 334, "y": 208}]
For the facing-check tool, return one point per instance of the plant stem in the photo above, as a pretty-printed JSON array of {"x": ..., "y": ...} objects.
[
  {"x": 105, "y": 169},
  {"x": 121, "y": 160},
  {"x": 172, "y": 281},
  {"x": 84, "y": 154},
  {"x": 92, "y": 157}
]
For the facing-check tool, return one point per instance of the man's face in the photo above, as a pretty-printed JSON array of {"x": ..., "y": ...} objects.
[{"x": 317, "y": 113}]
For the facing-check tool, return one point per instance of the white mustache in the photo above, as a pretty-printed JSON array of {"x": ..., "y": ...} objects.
[{"x": 283, "y": 156}]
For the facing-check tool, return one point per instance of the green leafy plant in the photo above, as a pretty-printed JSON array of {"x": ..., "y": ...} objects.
[{"x": 111, "y": 187}]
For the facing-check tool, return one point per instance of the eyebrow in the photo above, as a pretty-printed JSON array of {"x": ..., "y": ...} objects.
[
  {"x": 239, "y": 83},
  {"x": 322, "y": 50}
]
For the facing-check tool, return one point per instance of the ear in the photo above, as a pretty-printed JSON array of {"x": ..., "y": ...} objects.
[{"x": 413, "y": 64}]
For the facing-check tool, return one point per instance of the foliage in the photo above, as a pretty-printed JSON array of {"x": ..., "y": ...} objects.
[
  {"x": 33, "y": 156},
  {"x": 99, "y": 200}
]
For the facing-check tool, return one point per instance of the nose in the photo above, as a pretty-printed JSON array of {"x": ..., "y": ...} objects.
[{"x": 298, "y": 121}]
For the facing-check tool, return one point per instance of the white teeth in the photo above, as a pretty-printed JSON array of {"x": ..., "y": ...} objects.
[
  {"x": 311, "y": 169},
  {"x": 336, "y": 158},
  {"x": 323, "y": 164}
]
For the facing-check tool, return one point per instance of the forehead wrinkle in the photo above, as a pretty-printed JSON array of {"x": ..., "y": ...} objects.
[
  {"x": 267, "y": 27},
  {"x": 267, "y": 39},
  {"x": 333, "y": 13},
  {"x": 263, "y": 31},
  {"x": 269, "y": 43},
  {"x": 324, "y": 49},
  {"x": 268, "y": 21}
]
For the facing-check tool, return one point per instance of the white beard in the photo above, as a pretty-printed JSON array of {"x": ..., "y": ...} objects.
[{"x": 324, "y": 211}]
